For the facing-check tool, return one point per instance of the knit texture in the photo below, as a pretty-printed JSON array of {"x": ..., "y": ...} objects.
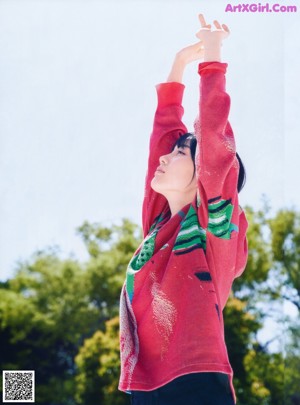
[{"x": 180, "y": 277}]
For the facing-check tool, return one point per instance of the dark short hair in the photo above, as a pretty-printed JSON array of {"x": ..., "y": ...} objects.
[{"x": 189, "y": 139}]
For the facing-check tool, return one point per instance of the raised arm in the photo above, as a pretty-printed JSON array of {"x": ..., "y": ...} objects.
[
  {"x": 167, "y": 128},
  {"x": 218, "y": 167}
]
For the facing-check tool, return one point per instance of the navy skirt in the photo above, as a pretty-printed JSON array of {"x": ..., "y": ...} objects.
[{"x": 190, "y": 389}]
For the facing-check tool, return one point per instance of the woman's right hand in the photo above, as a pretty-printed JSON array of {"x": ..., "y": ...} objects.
[
  {"x": 185, "y": 56},
  {"x": 191, "y": 53}
]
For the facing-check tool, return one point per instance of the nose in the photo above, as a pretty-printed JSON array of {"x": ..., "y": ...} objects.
[{"x": 163, "y": 160}]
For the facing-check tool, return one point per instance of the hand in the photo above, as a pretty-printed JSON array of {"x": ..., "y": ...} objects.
[
  {"x": 208, "y": 48},
  {"x": 212, "y": 40},
  {"x": 191, "y": 53},
  {"x": 186, "y": 55}
]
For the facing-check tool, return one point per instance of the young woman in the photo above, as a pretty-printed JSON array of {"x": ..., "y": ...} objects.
[{"x": 172, "y": 343}]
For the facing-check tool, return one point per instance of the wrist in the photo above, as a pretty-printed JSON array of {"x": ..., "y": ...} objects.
[
  {"x": 212, "y": 54},
  {"x": 177, "y": 70},
  {"x": 180, "y": 60}
]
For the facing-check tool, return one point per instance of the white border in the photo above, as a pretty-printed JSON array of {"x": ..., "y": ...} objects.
[{"x": 18, "y": 371}]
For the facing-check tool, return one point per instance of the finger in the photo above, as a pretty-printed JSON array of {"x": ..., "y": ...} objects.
[
  {"x": 217, "y": 24},
  {"x": 202, "y": 20},
  {"x": 226, "y": 28}
]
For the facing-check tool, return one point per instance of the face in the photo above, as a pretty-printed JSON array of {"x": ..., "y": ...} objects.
[{"x": 175, "y": 172}]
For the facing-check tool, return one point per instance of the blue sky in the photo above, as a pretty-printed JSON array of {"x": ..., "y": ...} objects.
[{"x": 77, "y": 98}]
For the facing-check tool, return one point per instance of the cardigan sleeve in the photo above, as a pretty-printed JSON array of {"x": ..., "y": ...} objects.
[
  {"x": 167, "y": 128},
  {"x": 217, "y": 174}
]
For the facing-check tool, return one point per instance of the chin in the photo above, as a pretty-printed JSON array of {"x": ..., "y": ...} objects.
[{"x": 155, "y": 186}]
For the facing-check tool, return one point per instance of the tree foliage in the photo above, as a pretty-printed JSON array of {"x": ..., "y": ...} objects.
[{"x": 60, "y": 317}]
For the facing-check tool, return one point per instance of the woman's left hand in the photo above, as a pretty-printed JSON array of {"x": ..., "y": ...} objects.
[
  {"x": 212, "y": 40},
  {"x": 207, "y": 49},
  {"x": 209, "y": 37}
]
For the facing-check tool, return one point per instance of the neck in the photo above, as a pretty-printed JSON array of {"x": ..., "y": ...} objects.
[{"x": 176, "y": 202}]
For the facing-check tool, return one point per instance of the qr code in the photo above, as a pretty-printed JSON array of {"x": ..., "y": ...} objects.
[{"x": 18, "y": 386}]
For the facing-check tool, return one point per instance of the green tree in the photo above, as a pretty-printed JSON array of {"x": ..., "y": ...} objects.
[
  {"x": 98, "y": 363},
  {"x": 45, "y": 313},
  {"x": 51, "y": 306},
  {"x": 285, "y": 243},
  {"x": 271, "y": 278},
  {"x": 60, "y": 317}
]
